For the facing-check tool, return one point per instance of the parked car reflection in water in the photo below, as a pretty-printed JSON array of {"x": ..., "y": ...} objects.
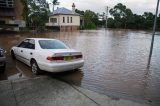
[
  {"x": 47, "y": 54},
  {"x": 2, "y": 60}
]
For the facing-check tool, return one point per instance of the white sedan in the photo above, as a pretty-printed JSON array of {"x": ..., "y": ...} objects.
[{"x": 47, "y": 54}]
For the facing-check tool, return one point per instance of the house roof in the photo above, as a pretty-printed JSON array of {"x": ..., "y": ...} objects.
[{"x": 62, "y": 11}]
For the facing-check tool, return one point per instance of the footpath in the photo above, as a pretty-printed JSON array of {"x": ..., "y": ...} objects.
[{"x": 46, "y": 91}]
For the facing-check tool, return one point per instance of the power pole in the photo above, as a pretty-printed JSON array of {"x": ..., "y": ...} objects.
[
  {"x": 107, "y": 8},
  {"x": 154, "y": 29}
]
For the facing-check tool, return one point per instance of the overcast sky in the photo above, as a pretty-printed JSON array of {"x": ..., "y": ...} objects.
[{"x": 137, "y": 6}]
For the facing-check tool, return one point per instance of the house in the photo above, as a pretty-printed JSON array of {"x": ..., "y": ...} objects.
[
  {"x": 64, "y": 19},
  {"x": 10, "y": 15}
]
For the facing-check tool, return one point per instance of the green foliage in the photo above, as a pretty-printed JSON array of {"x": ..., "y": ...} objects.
[
  {"x": 55, "y": 2},
  {"x": 122, "y": 15},
  {"x": 35, "y": 13},
  {"x": 26, "y": 11},
  {"x": 90, "y": 19},
  {"x": 158, "y": 22},
  {"x": 111, "y": 23},
  {"x": 124, "y": 18},
  {"x": 149, "y": 19},
  {"x": 79, "y": 12}
]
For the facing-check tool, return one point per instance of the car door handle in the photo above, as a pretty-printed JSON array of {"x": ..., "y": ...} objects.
[
  {"x": 31, "y": 53},
  {"x": 21, "y": 50}
]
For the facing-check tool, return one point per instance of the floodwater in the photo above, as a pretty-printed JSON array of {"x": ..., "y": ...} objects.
[{"x": 115, "y": 62}]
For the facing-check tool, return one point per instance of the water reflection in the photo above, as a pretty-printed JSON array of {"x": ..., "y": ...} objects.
[
  {"x": 73, "y": 76},
  {"x": 115, "y": 62}
]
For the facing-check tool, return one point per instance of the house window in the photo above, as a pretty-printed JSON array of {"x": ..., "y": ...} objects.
[
  {"x": 63, "y": 19},
  {"x": 53, "y": 20},
  {"x": 71, "y": 20},
  {"x": 67, "y": 19}
]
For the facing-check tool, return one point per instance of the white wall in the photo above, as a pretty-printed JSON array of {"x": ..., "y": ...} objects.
[{"x": 75, "y": 20}]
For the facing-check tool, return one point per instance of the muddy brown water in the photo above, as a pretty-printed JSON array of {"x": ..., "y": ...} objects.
[{"x": 115, "y": 62}]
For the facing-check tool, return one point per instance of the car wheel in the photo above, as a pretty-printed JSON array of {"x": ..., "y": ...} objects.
[
  {"x": 35, "y": 68},
  {"x": 13, "y": 55}
]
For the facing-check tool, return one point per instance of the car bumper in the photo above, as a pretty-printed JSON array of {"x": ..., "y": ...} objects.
[
  {"x": 61, "y": 67},
  {"x": 2, "y": 61}
]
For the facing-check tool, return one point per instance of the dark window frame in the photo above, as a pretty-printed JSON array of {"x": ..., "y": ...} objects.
[
  {"x": 71, "y": 19},
  {"x": 67, "y": 19},
  {"x": 53, "y": 20}
]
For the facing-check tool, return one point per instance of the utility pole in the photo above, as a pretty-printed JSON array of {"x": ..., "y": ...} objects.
[
  {"x": 107, "y": 8},
  {"x": 154, "y": 29}
]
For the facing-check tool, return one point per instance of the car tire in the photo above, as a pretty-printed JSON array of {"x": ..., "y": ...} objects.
[
  {"x": 34, "y": 67},
  {"x": 13, "y": 55}
]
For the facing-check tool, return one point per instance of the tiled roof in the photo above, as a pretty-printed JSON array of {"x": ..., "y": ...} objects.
[{"x": 63, "y": 11}]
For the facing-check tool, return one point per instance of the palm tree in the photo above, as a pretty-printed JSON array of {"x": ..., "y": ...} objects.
[{"x": 55, "y": 2}]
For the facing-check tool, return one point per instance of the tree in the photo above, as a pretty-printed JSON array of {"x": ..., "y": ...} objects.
[
  {"x": 123, "y": 16},
  {"x": 90, "y": 19},
  {"x": 79, "y": 12},
  {"x": 35, "y": 13},
  {"x": 55, "y": 2},
  {"x": 149, "y": 20},
  {"x": 110, "y": 23},
  {"x": 158, "y": 22},
  {"x": 138, "y": 22},
  {"x": 26, "y": 11}
]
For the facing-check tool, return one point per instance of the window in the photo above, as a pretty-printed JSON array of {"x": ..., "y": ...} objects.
[
  {"x": 28, "y": 43},
  {"x": 63, "y": 19},
  {"x": 23, "y": 44},
  {"x": 53, "y": 20},
  {"x": 67, "y": 19},
  {"x": 52, "y": 44},
  {"x": 71, "y": 19},
  {"x": 31, "y": 44}
]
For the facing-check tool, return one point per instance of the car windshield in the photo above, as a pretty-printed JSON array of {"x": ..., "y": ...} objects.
[{"x": 52, "y": 44}]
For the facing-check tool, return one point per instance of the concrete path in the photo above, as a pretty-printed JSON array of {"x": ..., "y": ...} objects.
[{"x": 45, "y": 91}]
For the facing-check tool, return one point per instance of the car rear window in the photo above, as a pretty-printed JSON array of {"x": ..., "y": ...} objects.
[{"x": 52, "y": 44}]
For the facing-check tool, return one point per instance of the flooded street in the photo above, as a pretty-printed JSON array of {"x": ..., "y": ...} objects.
[{"x": 115, "y": 62}]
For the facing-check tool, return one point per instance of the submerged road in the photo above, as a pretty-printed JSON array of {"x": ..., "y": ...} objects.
[{"x": 115, "y": 62}]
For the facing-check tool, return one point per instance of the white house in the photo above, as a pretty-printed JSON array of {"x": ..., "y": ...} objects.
[{"x": 64, "y": 19}]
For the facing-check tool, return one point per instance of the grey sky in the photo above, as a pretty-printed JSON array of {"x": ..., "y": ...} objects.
[{"x": 137, "y": 6}]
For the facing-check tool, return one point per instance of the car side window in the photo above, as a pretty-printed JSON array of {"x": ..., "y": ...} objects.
[
  {"x": 31, "y": 44},
  {"x": 23, "y": 44}
]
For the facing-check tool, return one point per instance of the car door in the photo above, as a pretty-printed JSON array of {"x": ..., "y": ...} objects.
[
  {"x": 29, "y": 51},
  {"x": 21, "y": 50}
]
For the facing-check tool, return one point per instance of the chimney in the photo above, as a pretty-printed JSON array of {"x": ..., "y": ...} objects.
[{"x": 73, "y": 8}]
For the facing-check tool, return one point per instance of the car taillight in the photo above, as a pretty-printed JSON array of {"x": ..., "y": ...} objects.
[
  {"x": 78, "y": 56},
  {"x": 55, "y": 58}
]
